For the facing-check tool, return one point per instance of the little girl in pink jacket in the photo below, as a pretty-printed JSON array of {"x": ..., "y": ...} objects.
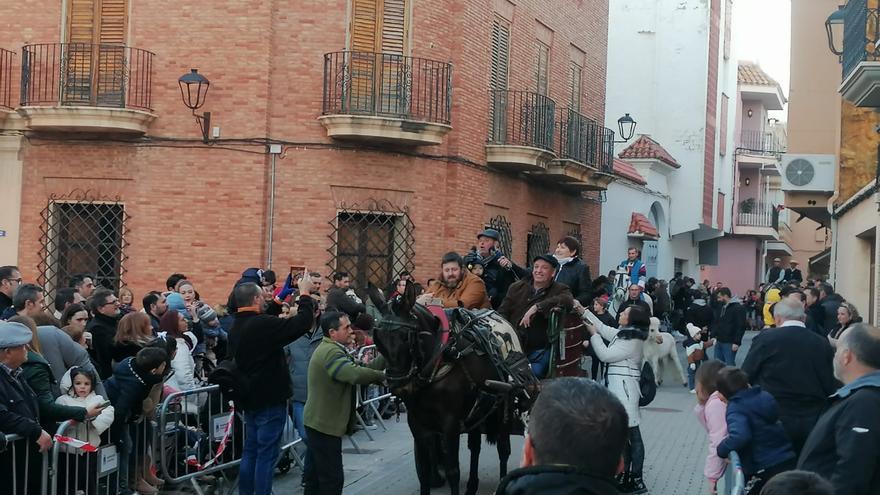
[{"x": 711, "y": 412}]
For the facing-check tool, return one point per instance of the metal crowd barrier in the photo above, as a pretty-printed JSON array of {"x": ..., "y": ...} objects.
[
  {"x": 739, "y": 479},
  {"x": 19, "y": 464},
  {"x": 370, "y": 403}
]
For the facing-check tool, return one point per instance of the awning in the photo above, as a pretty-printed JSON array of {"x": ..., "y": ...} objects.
[{"x": 640, "y": 226}]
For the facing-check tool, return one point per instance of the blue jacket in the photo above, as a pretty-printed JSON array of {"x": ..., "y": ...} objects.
[
  {"x": 754, "y": 431},
  {"x": 299, "y": 353},
  {"x": 127, "y": 389},
  {"x": 637, "y": 272}
]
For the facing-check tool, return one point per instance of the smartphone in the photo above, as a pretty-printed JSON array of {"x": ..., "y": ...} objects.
[{"x": 104, "y": 404}]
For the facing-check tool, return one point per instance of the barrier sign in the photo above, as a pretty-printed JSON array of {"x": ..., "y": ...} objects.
[{"x": 108, "y": 460}]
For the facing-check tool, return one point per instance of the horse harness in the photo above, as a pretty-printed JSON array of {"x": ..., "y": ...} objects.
[{"x": 469, "y": 337}]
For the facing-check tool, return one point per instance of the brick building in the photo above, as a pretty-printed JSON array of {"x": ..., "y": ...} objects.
[{"x": 404, "y": 128}]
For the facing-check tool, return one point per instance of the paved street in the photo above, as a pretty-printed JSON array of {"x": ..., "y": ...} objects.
[{"x": 674, "y": 442}]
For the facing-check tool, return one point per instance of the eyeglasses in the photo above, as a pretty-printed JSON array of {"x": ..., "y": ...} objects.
[
  {"x": 108, "y": 303},
  {"x": 16, "y": 280}
]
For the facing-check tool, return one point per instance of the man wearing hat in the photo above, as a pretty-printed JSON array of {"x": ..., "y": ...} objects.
[
  {"x": 19, "y": 413},
  {"x": 776, "y": 274},
  {"x": 498, "y": 271},
  {"x": 528, "y": 304},
  {"x": 793, "y": 274}
]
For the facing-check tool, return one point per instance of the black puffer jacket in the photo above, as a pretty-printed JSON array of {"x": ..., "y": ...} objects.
[
  {"x": 19, "y": 412},
  {"x": 829, "y": 307},
  {"x": 103, "y": 329},
  {"x": 576, "y": 275},
  {"x": 499, "y": 279},
  {"x": 554, "y": 480}
]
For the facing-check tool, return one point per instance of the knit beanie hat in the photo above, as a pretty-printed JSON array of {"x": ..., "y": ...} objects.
[
  {"x": 693, "y": 330},
  {"x": 175, "y": 303},
  {"x": 206, "y": 313}
]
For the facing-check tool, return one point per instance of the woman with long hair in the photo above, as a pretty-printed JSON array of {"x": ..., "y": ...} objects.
[
  {"x": 623, "y": 355},
  {"x": 132, "y": 334}
]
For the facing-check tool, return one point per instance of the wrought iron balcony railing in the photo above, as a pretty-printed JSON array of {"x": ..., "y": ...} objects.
[
  {"x": 6, "y": 58},
  {"x": 86, "y": 74},
  {"x": 757, "y": 214},
  {"x": 387, "y": 85},
  {"x": 585, "y": 141},
  {"x": 764, "y": 142},
  {"x": 861, "y": 35},
  {"x": 521, "y": 118}
]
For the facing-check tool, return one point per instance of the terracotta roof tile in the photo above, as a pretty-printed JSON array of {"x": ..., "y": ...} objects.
[
  {"x": 752, "y": 73},
  {"x": 645, "y": 147},
  {"x": 627, "y": 171},
  {"x": 640, "y": 225}
]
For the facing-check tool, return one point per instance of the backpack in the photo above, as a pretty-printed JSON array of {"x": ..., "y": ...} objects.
[
  {"x": 232, "y": 382},
  {"x": 647, "y": 385}
]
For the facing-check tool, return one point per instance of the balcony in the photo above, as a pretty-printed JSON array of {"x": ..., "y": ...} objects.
[
  {"x": 861, "y": 54},
  {"x": 6, "y": 58},
  {"x": 761, "y": 143},
  {"x": 521, "y": 131},
  {"x": 585, "y": 154},
  {"x": 757, "y": 218},
  {"x": 384, "y": 97},
  {"x": 85, "y": 87}
]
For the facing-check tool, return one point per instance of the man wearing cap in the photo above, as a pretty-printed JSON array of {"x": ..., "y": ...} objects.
[
  {"x": 793, "y": 274},
  {"x": 528, "y": 304},
  {"x": 632, "y": 269},
  {"x": 776, "y": 274},
  {"x": 498, "y": 271},
  {"x": 19, "y": 413}
]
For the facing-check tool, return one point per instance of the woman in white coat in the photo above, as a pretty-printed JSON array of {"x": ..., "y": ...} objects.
[
  {"x": 623, "y": 355},
  {"x": 174, "y": 326}
]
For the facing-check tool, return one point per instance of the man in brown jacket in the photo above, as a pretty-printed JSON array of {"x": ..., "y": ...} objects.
[
  {"x": 457, "y": 287},
  {"x": 528, "y": 305}
]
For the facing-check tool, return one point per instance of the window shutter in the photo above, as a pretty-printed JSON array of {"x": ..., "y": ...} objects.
[
  {"x": 543, "y": 57},
  {"x": 364, "y": 25},
  {"x": 81, "y": 21},
  {"x": 575, "y": 86},
  {"x": 394, "y": 26},
  {"x": 113, "y": 21},
  {"x": 500, "y": 56}
]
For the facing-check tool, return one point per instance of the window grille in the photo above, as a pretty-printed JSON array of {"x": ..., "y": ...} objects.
[
  {"x": 373, "y": 243},
  {"x": 83, "y": 233},
  {"x": 575, "y": 232},
  {"x": 537, "y": 242},
  {"x": 541, "y": 68},
  {"x": 502, "y": 225}
]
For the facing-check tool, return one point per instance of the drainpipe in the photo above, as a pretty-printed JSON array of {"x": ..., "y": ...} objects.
[{"x": 274, "y": 151}]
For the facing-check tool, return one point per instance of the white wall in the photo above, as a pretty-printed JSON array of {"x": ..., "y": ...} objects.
[{"x": 658, "y": 53}]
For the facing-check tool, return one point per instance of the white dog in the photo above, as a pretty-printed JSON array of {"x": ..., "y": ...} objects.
[{"x": 660, "y": 348}]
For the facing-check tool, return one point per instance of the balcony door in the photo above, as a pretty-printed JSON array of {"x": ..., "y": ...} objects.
[
  {"x": 379, "y": 74},
  {"x": 93, "y": 65}
]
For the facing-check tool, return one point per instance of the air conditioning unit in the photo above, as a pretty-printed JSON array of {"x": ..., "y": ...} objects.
[{"x": 808, "y": 173}]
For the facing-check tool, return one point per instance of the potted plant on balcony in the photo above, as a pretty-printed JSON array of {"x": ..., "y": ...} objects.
[{"x": 747, "y": 205}]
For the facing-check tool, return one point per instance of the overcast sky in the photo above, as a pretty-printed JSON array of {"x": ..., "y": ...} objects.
[{"x": 762, "y": 33}]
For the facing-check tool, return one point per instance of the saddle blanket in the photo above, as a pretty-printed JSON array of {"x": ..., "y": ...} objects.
[{"x": 500, "y": 332}]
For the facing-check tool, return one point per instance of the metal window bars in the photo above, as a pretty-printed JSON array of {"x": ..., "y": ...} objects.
[
  {"x": 502, "y": 225},
  {"x": 86, "y": 74},
  {"x": 521, "y": 118},
  {"x": 537, "y": 242},
  {"x": 82, "y": 232},
  {"x": 585, "y": 141},
  {"x": 387, "y": 85},
  {"x": 373, "y": 242},
  {"x": 6, "y": 60},
  {"x": 861, "y": 35}
]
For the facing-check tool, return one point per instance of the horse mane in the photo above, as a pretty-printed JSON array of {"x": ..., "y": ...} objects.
[{"x": 376, "y": 297}]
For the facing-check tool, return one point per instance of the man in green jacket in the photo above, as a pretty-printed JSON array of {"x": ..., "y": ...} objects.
[{"x": 329, "y": 411}]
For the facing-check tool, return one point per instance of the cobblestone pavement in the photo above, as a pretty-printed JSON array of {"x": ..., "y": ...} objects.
[{"x": 675, "y": 445}]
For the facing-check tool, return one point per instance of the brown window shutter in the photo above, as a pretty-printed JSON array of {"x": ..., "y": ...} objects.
[
  {"x": 81, "y": 25},
  {"x": 364, "y": 25},
  {"x": 394, "y": 34},
  {"x": 500, "y": 55},
  {"x": 113, "y": 21}
]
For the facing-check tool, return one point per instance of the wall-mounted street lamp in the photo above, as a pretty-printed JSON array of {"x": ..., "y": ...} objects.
[
  {"x": 627, "y": 127},
  {"x": 193, "y": 90},
  {"x": 750, "y": 113},
  {"x": 834, "y": 30}
]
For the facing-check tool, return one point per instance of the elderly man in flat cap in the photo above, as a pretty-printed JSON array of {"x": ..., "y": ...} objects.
[{"x": 19, "y": 413}]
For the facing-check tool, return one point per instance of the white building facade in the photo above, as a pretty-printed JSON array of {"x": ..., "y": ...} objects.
[{"x": 671, "y": 68}]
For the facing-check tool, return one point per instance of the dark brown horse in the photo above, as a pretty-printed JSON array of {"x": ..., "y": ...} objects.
[{"x": 448, "y": 389}]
